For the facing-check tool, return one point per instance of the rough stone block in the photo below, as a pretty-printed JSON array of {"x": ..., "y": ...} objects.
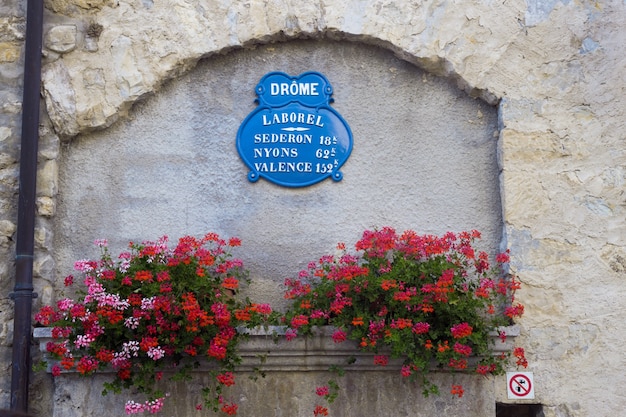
[
  {"x": 61, "y": 38},
  {"x": 9, "y": 52}
]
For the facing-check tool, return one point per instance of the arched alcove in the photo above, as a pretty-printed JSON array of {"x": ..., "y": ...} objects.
[{"x": 424, "y": 158}]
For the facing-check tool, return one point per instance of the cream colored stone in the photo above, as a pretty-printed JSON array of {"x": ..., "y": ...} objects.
[
  {"x": 5, "y": 133},
  {"x": 7, "y": 228},
  {"x": 9, "y": 52},
  {"x": 60, "y": 98},
  {"x": 5, "y": 242},
  {"x": 46, "y": 295},
  {"x": 567, "y": 410},
  {"x": 12, "y": 28},
  {"x": 615, "y": 258},
  {"x": 42, "y": 237},
  {"x": 550, "y": 253},
  {"x": 129, "y": 79},
  {"x": 47, "y": 178},
  {"x": 528, "y": 148},
  {"x": 9, "y": 178},
  {"x": 46, "y": 206},
  {"x": 73, "y": 7},
  {"x": 6, "y": 160},
  {"x": 49, "y": 145},
  {"x": 61, "y": 38},
  {"x": 43, "y": 265},
  {"x": 12, "y": 107},
  {"x": 6, "y": 331},
  {"x": 524, "y": 198}
]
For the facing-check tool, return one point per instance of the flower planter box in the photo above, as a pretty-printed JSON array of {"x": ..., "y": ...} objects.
[
  {"x": 267, "y": 349},
  {"x": 292, "y": 370}
]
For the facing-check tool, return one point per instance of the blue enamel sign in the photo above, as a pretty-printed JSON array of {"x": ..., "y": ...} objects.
[{"x": 294, "y": 138}]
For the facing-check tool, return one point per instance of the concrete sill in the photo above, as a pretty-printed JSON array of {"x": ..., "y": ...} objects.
[{"x": 267, "y": 349}]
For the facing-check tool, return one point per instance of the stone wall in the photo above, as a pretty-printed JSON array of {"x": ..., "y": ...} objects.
[
  {"x": 555, "y": 69},
  {"x": 12, "y": 29}
]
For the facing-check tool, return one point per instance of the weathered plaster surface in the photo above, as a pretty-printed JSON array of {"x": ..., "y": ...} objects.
[
  {"x": 424, "y": 158},
  {"x": 556, "y": 68}
]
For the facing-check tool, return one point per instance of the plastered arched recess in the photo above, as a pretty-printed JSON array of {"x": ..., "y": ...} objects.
[{"x": 141, "y": 45}]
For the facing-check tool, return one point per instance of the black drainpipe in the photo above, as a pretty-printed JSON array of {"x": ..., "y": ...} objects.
[{"x": 23, "y": 291}]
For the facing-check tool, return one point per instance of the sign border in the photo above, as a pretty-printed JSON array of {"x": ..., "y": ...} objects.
[
  {"x": 528, "y": 376},
  {"x": 322, "y": 104}
]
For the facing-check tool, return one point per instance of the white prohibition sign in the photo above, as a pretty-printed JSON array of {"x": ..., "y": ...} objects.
[{"x": 520, "y": 385}]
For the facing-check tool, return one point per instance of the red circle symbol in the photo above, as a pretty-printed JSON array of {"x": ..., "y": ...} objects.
[{"x": 520, "y": 385}]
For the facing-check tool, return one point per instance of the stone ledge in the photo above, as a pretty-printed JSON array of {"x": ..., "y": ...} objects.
[{"x": 268, "y": 350}]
